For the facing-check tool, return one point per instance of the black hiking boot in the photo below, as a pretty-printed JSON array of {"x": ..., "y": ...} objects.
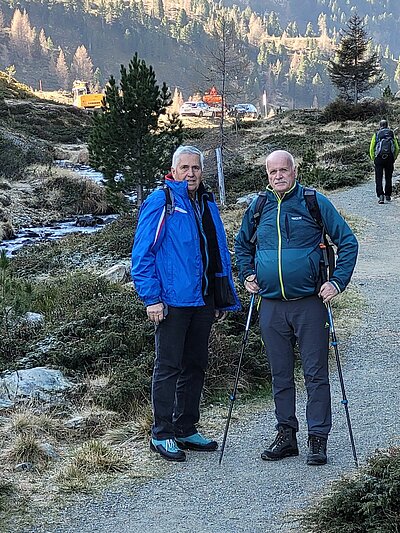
[
  {"x": 388, "y": 198},
  {"x": 381, "y": 199},
  {"x": 316, "y": 450},
  {"x": 284, "y": 445}
]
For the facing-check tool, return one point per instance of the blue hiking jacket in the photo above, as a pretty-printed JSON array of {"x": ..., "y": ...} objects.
[
  {"x": 167, "y": 265},
  {"x": 286, "y": 257}
]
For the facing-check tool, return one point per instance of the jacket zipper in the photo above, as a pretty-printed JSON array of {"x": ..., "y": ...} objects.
[
  {"x": 199, "y": 209},
  {"x": 278, "y": 215}
]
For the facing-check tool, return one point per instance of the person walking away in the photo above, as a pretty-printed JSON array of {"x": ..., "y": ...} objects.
[
  {"x": 383, "y": 151},
  {"x": 181, "y": 270},
  {"x": 283, "y": 266}
]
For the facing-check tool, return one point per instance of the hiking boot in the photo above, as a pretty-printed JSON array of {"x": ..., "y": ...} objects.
[
  {"x": 388, "y": 198},
  {"x": 381, "y": 199},
  {"x": 284, "y": 445},
  {"x": 197, "y": 443},
  {"x": 167, "y": 449},
  {"x": 316, "y": 450}
]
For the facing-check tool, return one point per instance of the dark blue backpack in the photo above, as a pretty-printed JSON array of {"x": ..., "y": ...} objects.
[{"x": 384, "y": 146}]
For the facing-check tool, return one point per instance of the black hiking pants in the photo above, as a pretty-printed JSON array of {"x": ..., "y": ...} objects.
[
  {"x": 179, "y": 369},
  {"x": 383, "y": 166},
  {"x": 283, "y": 323}
]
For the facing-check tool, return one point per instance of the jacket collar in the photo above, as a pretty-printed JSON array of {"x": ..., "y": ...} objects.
[
  {"x": 181, "y": 187},
  {"x": 291, "y": 192}
]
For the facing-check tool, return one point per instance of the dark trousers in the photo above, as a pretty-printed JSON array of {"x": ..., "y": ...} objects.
[
  {"x": 381, "y": 166},
  {"x": 179, "y": 369},
  {"x": 283, "y": 323}
]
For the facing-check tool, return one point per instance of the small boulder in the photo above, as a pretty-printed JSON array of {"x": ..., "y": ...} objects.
[
  {"x": 39, "y": 383},
  {"x": 5, "y": 200},
  {"x": 117, "y": 274}
]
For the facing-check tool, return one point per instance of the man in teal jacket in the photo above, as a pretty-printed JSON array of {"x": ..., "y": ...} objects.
[
  {"x": 181, "y": 269},
  {"x": 283, "y": 266}
]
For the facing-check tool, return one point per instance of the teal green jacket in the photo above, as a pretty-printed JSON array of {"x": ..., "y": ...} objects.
[
  {"x": 373, "y": 144},
  {"x": 286, "y": 257}
]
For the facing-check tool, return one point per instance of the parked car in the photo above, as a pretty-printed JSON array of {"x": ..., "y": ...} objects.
[
  {"x": 244, "y": 110},
  {"x": 197, "y": 109}
]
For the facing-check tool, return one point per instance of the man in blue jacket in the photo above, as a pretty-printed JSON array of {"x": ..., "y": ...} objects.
[
  {"x": 182, "y": 271},
  {"x": 283, "y": 267}
]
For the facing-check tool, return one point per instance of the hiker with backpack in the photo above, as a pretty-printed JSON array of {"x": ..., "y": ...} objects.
[
  {"x": 279, "y": 256},
  {"x": 383, "y": 151},
  {"x": 181, "y": 270}
]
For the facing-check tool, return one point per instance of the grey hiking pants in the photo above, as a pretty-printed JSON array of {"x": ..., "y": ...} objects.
[
  {"x": 283, "y": 323},
  {"x": 179, "y": 369}
]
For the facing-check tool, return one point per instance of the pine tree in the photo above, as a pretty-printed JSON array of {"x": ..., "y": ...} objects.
[
  {"x": 352, "y": 71},
  {"x": 127, "y": 137}
]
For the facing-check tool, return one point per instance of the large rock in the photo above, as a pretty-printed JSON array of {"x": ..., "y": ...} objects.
[
  {"x": 119, "y": 273},
  {"x": 38, "y": 383}
]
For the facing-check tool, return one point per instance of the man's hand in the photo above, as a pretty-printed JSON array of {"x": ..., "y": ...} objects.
[
  {"x": 251, "y": 285},
  {"x": 155, "y": 313},
  {"x": 327, "y": 292}
]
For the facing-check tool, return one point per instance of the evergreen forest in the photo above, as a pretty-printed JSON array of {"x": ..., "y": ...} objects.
[{"x": 279, "y": 48}]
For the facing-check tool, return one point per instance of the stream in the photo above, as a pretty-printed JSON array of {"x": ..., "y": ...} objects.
[{"x": 78, "y": 224}]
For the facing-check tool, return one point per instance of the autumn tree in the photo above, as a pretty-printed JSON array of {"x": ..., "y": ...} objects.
[
  {"x": 62, "y": 70},
  {"x": 352, "y": 71},
  {"x": 22, "y": 35},
  {"x": 82, "y": 66},
  {"x": 128, "y": 139}
]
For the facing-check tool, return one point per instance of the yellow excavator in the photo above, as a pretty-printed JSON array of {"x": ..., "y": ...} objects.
[{"x": 83, "y": 98}]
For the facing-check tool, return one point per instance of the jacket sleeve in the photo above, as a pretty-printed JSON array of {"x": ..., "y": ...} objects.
[
  {"x": 372, "y": 147},
  {"x": 345, "y": 240},
  {"x": 244, "y": 249},
  {"x": 149, "y": 234},
  {"x": 396, "y": 148}
]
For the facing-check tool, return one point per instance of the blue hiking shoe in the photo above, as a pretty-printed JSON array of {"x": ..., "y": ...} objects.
[
  {"x": 197, "y": 443},
  {"x": 167, "y": 449}
]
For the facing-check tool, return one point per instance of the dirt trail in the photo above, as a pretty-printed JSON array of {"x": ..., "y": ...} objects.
[{"x": 248, "y": 495}]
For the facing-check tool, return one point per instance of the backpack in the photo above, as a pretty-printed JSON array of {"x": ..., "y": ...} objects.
[
  {"x": 169, "y": 201},
  {"x": 384, "y": 146},
  {"x": 310, "y": 197}
]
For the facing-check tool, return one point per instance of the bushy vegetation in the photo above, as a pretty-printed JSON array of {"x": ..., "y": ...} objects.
[
  {"x": 367, "y": 502},
  {"x": 16, "y": 155},
  {"x": 71, "y": 195},
  {"x": 340, "y": 110}
]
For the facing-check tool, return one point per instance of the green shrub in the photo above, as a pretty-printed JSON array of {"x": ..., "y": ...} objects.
[
  {"x": 368, "y": 502},
  {"x": 339, "y": 110}
]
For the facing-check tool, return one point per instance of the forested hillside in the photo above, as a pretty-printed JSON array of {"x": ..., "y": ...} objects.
[{"x": 277, "y": 46}]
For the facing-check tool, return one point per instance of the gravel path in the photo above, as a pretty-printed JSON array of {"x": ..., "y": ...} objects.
[{"x": 246, "y": 494}]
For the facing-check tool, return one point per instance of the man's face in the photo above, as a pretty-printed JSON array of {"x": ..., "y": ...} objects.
[
  {"x": 281, "y": 173},
  {"x": 188, "y": 169}
]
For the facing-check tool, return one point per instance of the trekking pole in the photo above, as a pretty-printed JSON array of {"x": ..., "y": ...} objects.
[
  {"x": 344, "y": 401},
  {"x": 324, "y": 273},
  {"x": 232, "y": 397}
]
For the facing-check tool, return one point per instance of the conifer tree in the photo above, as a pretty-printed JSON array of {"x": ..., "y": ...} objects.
[
  {"x": 62, "y": 70},
  {"x": 127, "y": 137},
  {"x": 82, "y": 66},
  {"x": 352, "y": 71}
]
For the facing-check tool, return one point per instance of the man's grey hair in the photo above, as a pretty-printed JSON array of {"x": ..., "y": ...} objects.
[
  {"x": 383, "y": 123},
  {"x": 289, "y": 156},
  {"x": 192, "y": 150}
]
